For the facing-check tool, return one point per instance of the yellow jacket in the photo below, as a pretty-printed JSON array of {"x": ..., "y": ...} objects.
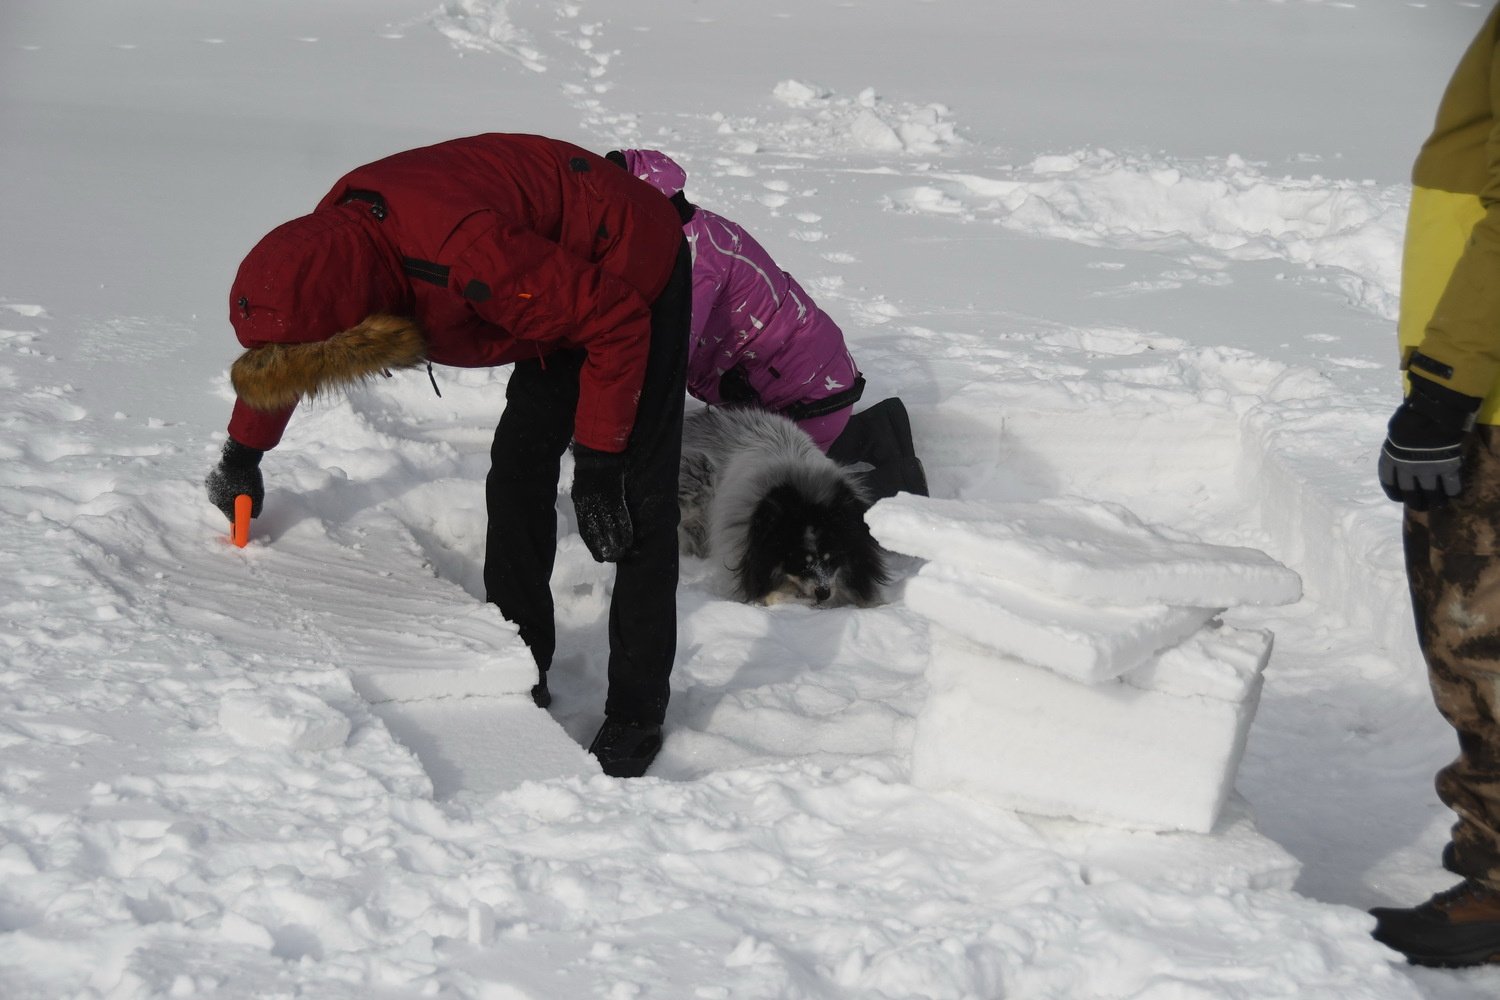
[{"x": 1450, "y": 269}]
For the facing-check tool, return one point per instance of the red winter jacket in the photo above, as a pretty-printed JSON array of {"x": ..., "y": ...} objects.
[{"x": 501, "y": 247}]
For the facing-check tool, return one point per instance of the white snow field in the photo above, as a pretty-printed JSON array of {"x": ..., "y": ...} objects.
[{"x": 1140, "y": 254}]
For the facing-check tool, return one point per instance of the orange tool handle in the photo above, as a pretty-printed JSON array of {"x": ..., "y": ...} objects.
[{"x": 241, "y": 534}]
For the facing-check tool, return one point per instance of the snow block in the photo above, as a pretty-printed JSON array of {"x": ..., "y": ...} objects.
[
  {"x": 1155, "y": 750},
  {"x": 1081, "y": 550},
  {"x": 485, "y": 745},
  {"x": 466, "y": 650},
  {"x": 1089, "y": 643},
  {"x": 507, "y": 672}
]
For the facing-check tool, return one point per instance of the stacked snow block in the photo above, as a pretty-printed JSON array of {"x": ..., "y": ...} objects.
[{"x": 1078, "y": 665}]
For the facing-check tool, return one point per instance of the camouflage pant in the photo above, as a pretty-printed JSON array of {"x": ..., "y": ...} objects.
[{"x": 1453, "y": 567}]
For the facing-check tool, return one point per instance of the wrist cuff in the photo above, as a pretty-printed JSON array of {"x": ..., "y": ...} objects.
[
  {"x": 1448, "y": 408},
  {"x": 241, "y": 456},
  {"x": 585, "y": 457}
]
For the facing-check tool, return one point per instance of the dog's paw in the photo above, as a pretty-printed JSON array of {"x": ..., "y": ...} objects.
[{"x": 787, "y": 593}]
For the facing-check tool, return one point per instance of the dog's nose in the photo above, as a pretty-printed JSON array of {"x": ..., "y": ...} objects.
[{"x": 822, "y": 594}]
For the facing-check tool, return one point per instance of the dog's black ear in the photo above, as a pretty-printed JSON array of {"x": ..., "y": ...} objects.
[
  {"x": 865, "y": 571},
  {"x": 765, "y": 546},
  {"x": 849, "y": 501}
]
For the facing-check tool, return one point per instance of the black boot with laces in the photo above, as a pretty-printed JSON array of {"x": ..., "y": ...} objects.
[{"x": 1456, "y": 927}]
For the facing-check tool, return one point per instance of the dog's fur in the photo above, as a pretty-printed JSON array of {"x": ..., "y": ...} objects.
[
  {"x": 275, "y": 376},
  {"x": 783, "y": 520}
]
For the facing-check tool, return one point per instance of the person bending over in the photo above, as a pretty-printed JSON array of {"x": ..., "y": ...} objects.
[{"x": 501, "y": 249}]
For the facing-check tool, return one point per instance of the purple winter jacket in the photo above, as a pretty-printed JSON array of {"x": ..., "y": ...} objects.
[{"x": 750, "y": 315}]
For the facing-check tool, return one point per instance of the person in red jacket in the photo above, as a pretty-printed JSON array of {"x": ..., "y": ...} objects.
[{"x": 491, "y": 250}]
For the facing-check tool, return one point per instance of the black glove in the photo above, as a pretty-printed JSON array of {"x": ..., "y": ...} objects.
[
  {"x": 1421, "y": 462},
  {"x": 238, "y": 472},
  {"x": 599, "y": 500}
]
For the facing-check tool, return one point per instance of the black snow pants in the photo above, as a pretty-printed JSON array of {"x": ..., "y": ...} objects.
[{"x": 521, "y": 496}]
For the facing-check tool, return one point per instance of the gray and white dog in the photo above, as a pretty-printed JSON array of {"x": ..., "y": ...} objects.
[{"x": 782, "y": 520}]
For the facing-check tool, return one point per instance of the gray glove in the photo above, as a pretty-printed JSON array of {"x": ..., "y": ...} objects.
[
  {"x": 238, "y": 472},
  {"x": 1421, "y": 463}
]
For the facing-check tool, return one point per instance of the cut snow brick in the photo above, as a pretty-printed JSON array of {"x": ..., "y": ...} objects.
[
  {"x": 1087, "y": 642},
  {"x": 1155, "y": 750},
  {"x": 1080, "y": 550},
  {"x": 507, "y": 671},
  {"x": 416, "y": 684},
  {"x": 455, "y": 650},
  {"x": 485, "y": 745}
]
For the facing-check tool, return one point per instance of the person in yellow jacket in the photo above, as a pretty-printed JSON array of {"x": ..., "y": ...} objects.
[{"x": 1441, "y": 458}]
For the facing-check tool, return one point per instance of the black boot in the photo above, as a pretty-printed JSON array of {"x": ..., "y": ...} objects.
[
  {"x": 1457, "y": 927},
  {"x": 880, "y": 438},
  {"x": 914, "y": 477},
  {"x": 626, "y": 749},
  {"x": 539, "y": 692}
]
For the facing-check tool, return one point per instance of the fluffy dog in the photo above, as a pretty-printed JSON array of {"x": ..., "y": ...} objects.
[{"x": 781, "y": 518}]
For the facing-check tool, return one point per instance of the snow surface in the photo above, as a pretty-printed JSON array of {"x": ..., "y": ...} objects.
[{"x": 1143, "y": 254}]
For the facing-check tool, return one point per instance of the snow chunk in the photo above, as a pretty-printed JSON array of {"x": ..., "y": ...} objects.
[
  {"x": 510, "y": 669},
  {"x": 289, "y": 717},
  {"x": 799, "y": 94},
  {"x": 1218, "y": 662},
  {"x": 870, "y": 132},
  {"x": 1089, "y": 643},
  {"x": 1056, "y": 164},
  {"x": 825, "y": 120},
  {"x": 485, "y": 26},
  {"x": 1081, "y": 549}
]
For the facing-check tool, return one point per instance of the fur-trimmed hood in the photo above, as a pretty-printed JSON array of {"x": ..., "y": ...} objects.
[
  {"x": 319, "y": 303},
  {"x": 275, "y": 376}
]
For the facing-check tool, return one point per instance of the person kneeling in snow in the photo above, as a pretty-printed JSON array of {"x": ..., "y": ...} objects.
[
  {"x": 493, "y": 250},
  {"x": 758, "y": 339},
  {"x": 1441, "y": 458}
]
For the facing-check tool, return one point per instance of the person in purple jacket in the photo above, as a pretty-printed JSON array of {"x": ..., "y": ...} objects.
[{"x": 758, "y": 339}]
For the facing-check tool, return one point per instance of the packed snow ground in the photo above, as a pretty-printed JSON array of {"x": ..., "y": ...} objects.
[{"x": 1145, "y": 254}]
